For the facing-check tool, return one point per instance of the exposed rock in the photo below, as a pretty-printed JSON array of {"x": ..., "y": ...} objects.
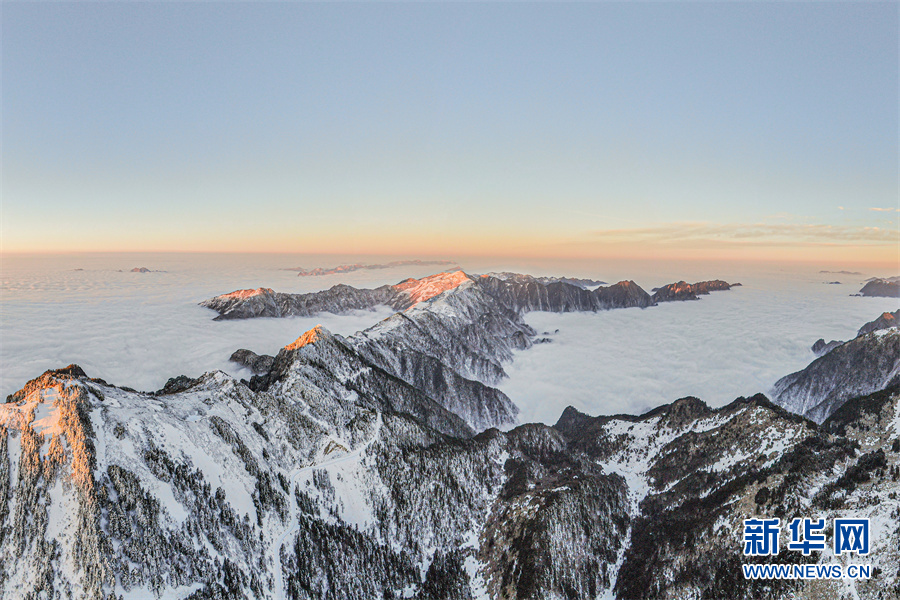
[
  {"x": 881, "y": 287},
  {"x": 625, "y": 294},
  {"x": 525, "y": 294},
  {"x": 689, "y": 291},
  {"x": 576, "y": 281},
  {"x": 176, "y": 385},
  {"x": 821, "y": 347},
  {"x": 257, "y": 363}
]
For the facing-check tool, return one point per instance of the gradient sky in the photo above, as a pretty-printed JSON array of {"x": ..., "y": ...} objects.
[{"x": 726, "y": 130}]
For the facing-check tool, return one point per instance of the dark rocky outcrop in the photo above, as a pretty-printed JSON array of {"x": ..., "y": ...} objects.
[
  {"x": 821, "y": 347},
  {"x": 689, "y": 291},
  {"x": 625, "y": 294},
  {"x": 257, "y": 363},
  {"x": 881, "y": 288}
]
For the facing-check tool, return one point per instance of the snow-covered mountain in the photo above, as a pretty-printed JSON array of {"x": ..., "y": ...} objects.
[
  {"x": 868, "y": 363},
  {"x": 371, "y": 466},
  {"x": 312, "y": 490},
  {"x": 452, "y": 335},
  {"x": 521, "y": 293}
]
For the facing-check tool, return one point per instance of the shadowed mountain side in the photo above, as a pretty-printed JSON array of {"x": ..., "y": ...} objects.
[
  {"x": 326, "y": 475},
  {"x": 861, "y": 366},
  {"x": 886, "y": 288}
]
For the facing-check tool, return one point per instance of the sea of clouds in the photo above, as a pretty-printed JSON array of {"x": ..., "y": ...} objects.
[
  {"x": 140, "y": 329},
  {"x": 725, "y": 345}
]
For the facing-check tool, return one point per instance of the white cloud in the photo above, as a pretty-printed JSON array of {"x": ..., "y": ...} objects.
[
  {"x": 726, "y": 345},
  {"x": 140, "y": 329}
]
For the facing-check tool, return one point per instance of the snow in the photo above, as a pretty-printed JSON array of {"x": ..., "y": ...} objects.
[
  {"x": 176, "y": 593},
  {"x": 46, "y": 416},
  {"x": 348, "y": 467},
  {"x": 476, "y": 581},
  {"x": 60, "y": 509},
  {"x": 892, "y": 331},
  {"x": 195, "y": 443},
  {"x": 244, "y": 294},
  {"x": 419, "y": 290}
]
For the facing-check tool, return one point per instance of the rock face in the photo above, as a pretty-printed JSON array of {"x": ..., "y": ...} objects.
[
  {"x": 624, "y": 294},
  {"x": 866, "y": 364},
  {"x": 885, "y": 321},
  {"x": 323, "y": 485},
  {"x": 821, "y": 347},
  {"x": 689, "y": 291},
  {"x": 523, "y": 294},
  {"x": 881, "y": 287},
  {"x": 257, "y": 363}
]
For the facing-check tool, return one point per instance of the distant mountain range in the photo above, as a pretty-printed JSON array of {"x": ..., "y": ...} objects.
[
  {"x": 521, "y": 293},
  {"x": 373, "y": 466},
  {"x": 318, "y": 271}
]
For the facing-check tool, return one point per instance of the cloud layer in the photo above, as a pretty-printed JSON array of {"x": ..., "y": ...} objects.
[
  {"x": 723, "y": 346},
  {"x": 139, "y": 329}
]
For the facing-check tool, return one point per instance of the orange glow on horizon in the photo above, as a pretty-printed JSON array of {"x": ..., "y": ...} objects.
[{"x": 426, "y": 244}]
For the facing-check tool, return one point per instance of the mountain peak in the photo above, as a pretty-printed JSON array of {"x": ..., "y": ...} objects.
[
  {"x": 310, "y": 337},
  {"x": 419, "y": 290},
  {"x": 244, "y": 294}
]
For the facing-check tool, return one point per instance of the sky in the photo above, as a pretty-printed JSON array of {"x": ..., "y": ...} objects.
[{"x": 747, "y": 131}]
